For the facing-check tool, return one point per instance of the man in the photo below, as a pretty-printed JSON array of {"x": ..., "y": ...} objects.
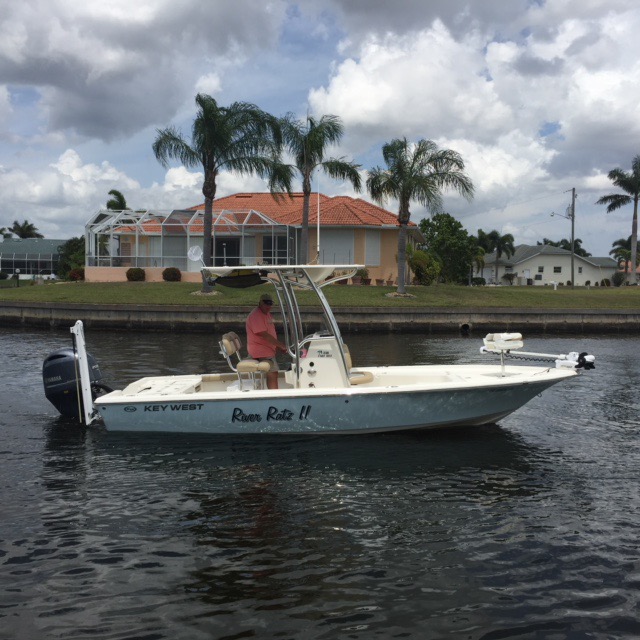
[{"x": 262, "y": 340}]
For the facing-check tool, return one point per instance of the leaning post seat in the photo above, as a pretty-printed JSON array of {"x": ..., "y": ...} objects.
[
  {"x": 245, "y": 368},
  {"x": 355, "y": 377}
]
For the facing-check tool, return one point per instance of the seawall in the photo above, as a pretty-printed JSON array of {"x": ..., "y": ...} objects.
[{"x": 382, "y": 319}]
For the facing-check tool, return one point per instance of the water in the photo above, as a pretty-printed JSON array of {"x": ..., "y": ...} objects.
[{"x": 527, "y": 529}]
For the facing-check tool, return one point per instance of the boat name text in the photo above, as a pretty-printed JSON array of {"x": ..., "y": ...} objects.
[
  {"x": 193, "y": 406},
  {"x": 273, "y": 415}
]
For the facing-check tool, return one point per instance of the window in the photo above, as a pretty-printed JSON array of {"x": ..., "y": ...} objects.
[
  {"x": 538, "y": 276},
  {"x": 557, "y": 269},
  {"x": 579, "y": 269},
  {"x": 540, "y": 270}
]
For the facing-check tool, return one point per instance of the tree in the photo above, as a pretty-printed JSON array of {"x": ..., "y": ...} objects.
[
  {"x": 307, "y": 142},
  {"x": 494, "y": 241},
  {"x": 630, "y": 184},
  {"x": 417, "y": 172},
  {"x": 621, "y": 251},
  {"x": 240, "y": 138},
  {"x": 25, "y": 230},
  {"x": 72, "y": 256},
  {"x": 566, "y": 245},
  {"x": 117, "y": 201},
  {"x": 5, "y": 233},
  {"x": 449, "y": 241}
]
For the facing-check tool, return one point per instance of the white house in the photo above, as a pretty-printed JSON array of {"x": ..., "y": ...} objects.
[{"x": 546, "y": 265}]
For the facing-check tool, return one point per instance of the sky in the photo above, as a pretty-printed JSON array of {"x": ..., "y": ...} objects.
[{"x": 538, "y": 96}]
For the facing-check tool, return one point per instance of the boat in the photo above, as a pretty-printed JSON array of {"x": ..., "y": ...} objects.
[{"x": 322, "y": 392}]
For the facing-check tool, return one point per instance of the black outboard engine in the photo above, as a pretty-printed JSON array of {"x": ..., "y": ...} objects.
[{"x": 59, "y": 374}]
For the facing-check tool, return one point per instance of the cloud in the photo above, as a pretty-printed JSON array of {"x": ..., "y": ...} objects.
[{"x": 107, "y": 70}]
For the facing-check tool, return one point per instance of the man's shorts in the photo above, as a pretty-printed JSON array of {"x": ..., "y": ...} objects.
[{"x": 272, "y": 362}]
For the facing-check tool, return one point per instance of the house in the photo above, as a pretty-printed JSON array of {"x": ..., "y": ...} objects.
[
  {"x": 248, "y": 228},
  {"x": 546, "y": 265},
  {"x": 29, "y": 256}
]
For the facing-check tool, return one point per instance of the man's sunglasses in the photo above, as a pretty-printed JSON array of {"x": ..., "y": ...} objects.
[{"x": 269, "y": 302}]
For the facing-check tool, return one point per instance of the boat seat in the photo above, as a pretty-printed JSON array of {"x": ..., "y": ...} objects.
[
  {"x": 355, "y": 377},
  {"x": 247, "y": 369}
]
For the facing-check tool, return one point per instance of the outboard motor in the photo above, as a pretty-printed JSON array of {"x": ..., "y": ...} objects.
[{"x": 59, "y": 374}]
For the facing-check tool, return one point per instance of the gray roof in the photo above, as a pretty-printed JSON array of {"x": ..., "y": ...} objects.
[
  {"x": 526, "y": 251},
  {"x": 30, "y": 246}
]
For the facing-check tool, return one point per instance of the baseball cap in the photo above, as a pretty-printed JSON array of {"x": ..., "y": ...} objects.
[{"x": 266, "y": 297}]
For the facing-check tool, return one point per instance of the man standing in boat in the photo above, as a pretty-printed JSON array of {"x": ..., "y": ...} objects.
[{"x": 262, "y": 340}]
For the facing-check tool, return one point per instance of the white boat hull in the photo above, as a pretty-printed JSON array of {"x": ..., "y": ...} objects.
[{"x": 447, "y": 396}]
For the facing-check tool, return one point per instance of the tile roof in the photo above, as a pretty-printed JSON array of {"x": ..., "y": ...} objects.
[{"x": 334, "y": 211}]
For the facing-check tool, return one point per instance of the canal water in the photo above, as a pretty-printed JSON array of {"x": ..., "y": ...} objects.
[{"x": 525, "y": 529}]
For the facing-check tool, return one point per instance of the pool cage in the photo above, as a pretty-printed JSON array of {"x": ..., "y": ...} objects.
[{"x": 160, "y": 239}]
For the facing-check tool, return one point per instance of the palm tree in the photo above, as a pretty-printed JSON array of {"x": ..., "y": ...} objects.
[
  {"x": 621, "y": 251},
  {"x": 566, "y": 245},
  {"x": 25, "y": 230},
  {"x": 630, "y": 184},
  {"x": 117, "y": 201},
  {"x": 307, "y": 142},
  {"x": 240, "y": 138},
  {"x": 5, "y": 233},
  {"x": 416, "y": 172},
  {"x": 494, "y": 241},
  {"x": 502, "y": 244}
]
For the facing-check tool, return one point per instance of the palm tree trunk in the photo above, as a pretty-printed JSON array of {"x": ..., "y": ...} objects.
[
  {"x": 402, "y": 257},
  {"x": 304, "y": 235},
  {"x": 634, "y": 241}
]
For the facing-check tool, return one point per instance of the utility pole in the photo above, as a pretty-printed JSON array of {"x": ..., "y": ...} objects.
[{"x": 573, "y": 235}]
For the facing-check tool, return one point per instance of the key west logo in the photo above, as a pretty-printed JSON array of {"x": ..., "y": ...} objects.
[{"x": 274, "y": 414}]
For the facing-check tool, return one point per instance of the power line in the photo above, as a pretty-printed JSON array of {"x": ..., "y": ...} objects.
[{"x": 513, "y": 204}]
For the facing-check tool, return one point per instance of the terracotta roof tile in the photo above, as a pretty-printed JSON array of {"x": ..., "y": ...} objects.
[{"x": 334, "y": 211}]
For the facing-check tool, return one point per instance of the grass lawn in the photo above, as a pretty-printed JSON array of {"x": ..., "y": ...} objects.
[{"x": 180, "y": 293}]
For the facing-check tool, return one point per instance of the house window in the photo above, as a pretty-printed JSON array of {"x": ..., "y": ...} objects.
[
  {"x": 557, "y": 269},
  {"x": 579, "y": 269},
  {"x": 540, "y": 270},
  {"x": 538, "y": 276},
  {"x": 508, "y": 269}
]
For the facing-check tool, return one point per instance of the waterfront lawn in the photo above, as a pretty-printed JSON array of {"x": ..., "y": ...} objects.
[{"x": 451, "y": 296}]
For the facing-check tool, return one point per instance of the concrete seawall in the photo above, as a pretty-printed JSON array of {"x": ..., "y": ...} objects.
[{"x": 425, "y": 320}]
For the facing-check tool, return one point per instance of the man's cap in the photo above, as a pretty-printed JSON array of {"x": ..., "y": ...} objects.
[{"x": 266, "y": 297}]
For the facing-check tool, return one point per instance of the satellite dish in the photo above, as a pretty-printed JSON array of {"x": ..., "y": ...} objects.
[{"x": 195, "y": 253}]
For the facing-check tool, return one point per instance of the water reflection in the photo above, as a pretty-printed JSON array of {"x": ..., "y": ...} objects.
[{"x": 523, "y": 529}]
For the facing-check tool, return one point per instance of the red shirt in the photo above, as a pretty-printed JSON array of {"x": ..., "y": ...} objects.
[{"x": 257, "y": 322}]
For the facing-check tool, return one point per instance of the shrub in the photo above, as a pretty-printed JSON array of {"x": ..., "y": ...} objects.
[
  {"x": 424, "y": 266},
  {"x": 478, "y": 282},
  {"x": 4, "y": 276},
  {"x": 362, "y": 273},
  {"x": 135, "y": 274},
  {"x": 172, "y": 274},
  {"x": 76, "y": 274},
  {"x": 605, "y": 282},
  {"x": 618, "y": 278},
  {"x": 587, "y": 283}
]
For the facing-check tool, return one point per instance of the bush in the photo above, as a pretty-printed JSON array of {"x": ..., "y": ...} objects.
[
  {"x": 618, "y": 278},
  {"x": 172, "y": 274},
  {"x": 478, "y": 282},
  {"x": 605, "y": 282},
  {"x": 4, "y": 276},
  {"x": 424, "y": 266},
  {"x": 587, "y": 283},
  {"x": 135, "y": 274},
  {"x": 362, "y": 273},
  {"x": 76, "y": 274}
]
